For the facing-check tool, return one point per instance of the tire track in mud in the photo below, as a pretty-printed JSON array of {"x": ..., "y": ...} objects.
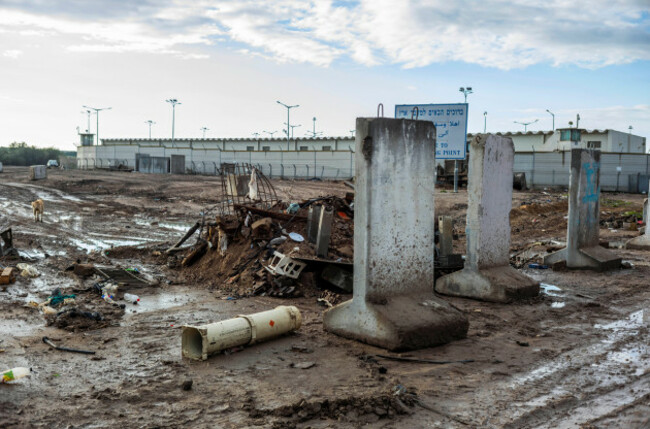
[{"x": 577, "y": 386}]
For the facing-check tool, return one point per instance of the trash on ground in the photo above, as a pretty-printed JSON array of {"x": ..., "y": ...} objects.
[
  {"x": 198, "y": 342},
  {"x": 27, "y": 270},
  {"x": 49, "y": 342},
  {"x": 15, "y": 374}
]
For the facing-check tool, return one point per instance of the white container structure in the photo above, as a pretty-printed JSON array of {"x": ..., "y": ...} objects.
[{"x": 199, "y": 342}]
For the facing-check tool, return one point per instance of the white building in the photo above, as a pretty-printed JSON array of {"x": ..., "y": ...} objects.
[{"x": 558, "y": 141}]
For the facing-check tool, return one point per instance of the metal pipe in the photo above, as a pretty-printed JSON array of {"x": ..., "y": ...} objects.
[{"x": 199, "y": 342}]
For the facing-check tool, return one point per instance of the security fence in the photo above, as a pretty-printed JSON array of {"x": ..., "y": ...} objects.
[{"x": 619, "y": 172}]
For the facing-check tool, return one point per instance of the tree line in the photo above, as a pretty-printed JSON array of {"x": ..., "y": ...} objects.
[{"x": 19, "y": 153}]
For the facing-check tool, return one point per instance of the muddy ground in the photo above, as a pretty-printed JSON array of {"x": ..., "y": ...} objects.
[{"x": 576, "y": 356}]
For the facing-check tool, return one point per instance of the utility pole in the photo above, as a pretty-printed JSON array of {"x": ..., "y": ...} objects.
[
  {"x": 553, "y": 115},
  {"x": 578, "y": 120},
  {"x": 97, "y": 110},
  {"x": 204, "y": 129},
  {"x": 484, "y": 122},
  {"x": 525, "y": 124},
  {"x": 288, "y": 120},
  {"x": 150, "y": 122},
  {"x": 173, "y": 102}
]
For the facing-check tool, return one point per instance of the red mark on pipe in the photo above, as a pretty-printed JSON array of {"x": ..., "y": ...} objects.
[{"x": 271, "y": 323}]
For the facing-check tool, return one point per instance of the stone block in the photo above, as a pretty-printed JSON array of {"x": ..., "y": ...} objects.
[
  {"x": 37, "y": 172},
  {"x": 393, "y": 304},
  {"x": 487, "y": 274}
]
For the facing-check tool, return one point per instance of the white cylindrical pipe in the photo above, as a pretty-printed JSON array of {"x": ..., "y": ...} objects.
[{"x": 198, "y": 342}]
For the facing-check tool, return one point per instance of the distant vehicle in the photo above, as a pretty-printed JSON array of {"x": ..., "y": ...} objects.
[{"x": 52, "y": 163}]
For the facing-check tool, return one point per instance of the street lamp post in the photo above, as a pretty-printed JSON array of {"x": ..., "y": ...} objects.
[
  {"x": 173, "y": 102},
  {"x": 629, "y": 138},
  {"x": 484, "y": 122},
  {"x": 553, "y": 115},
  {"x": 204, "y": 129},
  {"x": 292, "y": 127},
  {"x": 150, "y": 122},
  {"x": 525, "y": 124},
  {"x": 97, "y": 110},
  {"x": 466, "y": 91},
  {"x": 288, "y": 120},
  {"x": 88, "y": 112},
  {"x": 270, "y": 133}
]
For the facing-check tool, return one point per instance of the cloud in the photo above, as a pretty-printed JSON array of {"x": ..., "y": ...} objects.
[
  {"x": 12, "y": 53},
  {"x": 502, "y": 34}
]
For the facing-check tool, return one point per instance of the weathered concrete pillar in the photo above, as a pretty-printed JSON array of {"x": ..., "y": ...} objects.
[
  {"x": 393, "y": 304},
  {"x": 445, "y": 229},
  {"x": 487, "y": 274},
  {"x": 583, "y": 225},
  {"x": 642, "y": 242},
  {"x": 313, "y": 218},
  {"x": 324, "y": 232}
]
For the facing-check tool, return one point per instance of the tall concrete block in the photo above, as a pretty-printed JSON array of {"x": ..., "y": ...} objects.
[
  {"x": 642, "y": 242},
  {"x": 446, "y": 233},
  {"x": 324, "y": 232},
  {"x": 313, "y": 218},
  {"x": 393, "y": 304},
  {"x": 487, "y": 274},
  {"x": 583, "y": 225},
  {"x": 37, "y": 172}
]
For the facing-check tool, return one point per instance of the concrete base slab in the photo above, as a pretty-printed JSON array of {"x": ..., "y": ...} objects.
[
  {"x": 401, "y": 323},
  {"x": 499, "y": 284},
  {"x": 641, "y": 242},
  {"x": 592, "y": 257}
]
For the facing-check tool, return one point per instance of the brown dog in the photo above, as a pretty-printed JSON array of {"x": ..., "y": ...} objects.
[{"x": 37, "y": 208}]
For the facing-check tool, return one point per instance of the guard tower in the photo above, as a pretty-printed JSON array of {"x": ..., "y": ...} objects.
[{"x": 87, "y": 139}]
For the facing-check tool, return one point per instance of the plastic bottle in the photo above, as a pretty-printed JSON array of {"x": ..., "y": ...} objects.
[
  {"x": 129, "y": 297},
  {"x": 15, "y": 373}
]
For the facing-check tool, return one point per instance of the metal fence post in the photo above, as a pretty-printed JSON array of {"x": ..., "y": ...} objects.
[
  {"x": 270, "y": 171},
  {"x": 307, "y": 176}
]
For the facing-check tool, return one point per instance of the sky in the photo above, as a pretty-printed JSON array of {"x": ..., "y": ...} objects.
[{"x": 229, "y": 61}]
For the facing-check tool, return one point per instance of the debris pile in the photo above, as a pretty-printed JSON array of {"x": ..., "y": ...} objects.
[{"x": 252, "y": 243}]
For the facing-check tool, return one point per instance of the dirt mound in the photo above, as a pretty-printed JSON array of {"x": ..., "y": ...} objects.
[{"x": 559, "y": 207}]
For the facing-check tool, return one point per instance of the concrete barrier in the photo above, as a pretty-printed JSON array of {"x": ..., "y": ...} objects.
[
  {"x": 37, "y": 172},
  {"x": 487, "y": 274},
  {"x": 583, "y": 226},
  {"x": 393, "y": 304},
  {"x": 642, "y": 242}
]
